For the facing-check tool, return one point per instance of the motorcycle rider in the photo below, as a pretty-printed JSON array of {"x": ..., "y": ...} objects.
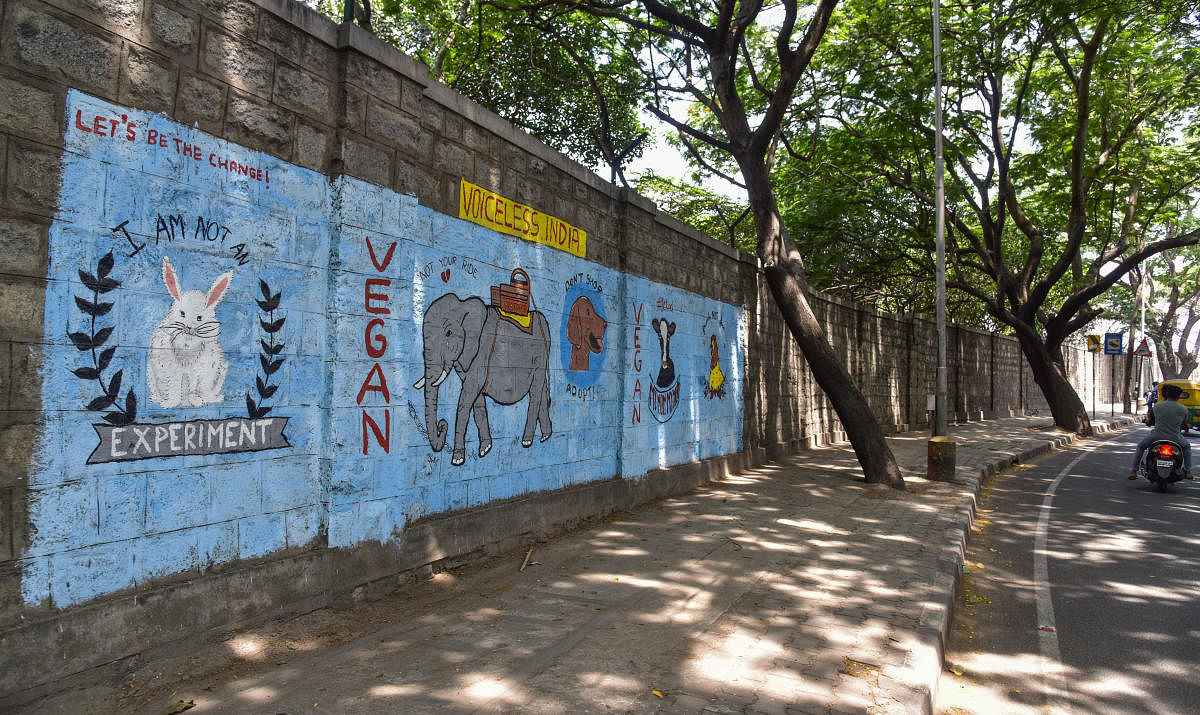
[
  {"x": 1169, "y": 417},
  {"x": 1151, "y": 398}
]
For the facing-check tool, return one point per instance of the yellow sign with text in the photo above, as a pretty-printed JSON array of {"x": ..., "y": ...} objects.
[{"x": 478, "y": 205}]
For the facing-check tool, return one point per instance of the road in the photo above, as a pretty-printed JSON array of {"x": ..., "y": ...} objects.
[{"x": 1080, "y": 592}]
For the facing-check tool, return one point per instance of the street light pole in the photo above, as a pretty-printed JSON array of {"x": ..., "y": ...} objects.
[
  {"x": 940, "y": 426},
  {"x": 1142, "y": 331}
]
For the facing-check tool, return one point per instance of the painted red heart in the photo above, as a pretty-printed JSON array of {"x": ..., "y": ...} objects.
[{"x": 445, "y": 275}]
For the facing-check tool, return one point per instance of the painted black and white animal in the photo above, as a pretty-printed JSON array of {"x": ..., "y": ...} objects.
[{"x": 664, "y": 331}]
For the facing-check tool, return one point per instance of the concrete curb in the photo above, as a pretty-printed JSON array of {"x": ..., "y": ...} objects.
[{"x": 934, "y": 627}]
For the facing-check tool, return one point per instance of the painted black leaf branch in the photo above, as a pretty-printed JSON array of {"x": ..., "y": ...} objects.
[
  {"x": 268, "y": 359},
  {"x": 110, "y": 391}
]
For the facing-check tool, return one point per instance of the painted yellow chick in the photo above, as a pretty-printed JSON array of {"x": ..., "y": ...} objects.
[{"x": 715, "y": 377}]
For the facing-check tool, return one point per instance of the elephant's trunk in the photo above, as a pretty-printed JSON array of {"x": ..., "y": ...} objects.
[{"x": 435, "y": 428}]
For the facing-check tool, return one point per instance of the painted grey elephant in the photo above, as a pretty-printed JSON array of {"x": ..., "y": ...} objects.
[{"x": 494, "y": 358}]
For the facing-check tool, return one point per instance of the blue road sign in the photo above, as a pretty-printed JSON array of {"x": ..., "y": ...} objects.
[{"x": 1113, "y": 343}]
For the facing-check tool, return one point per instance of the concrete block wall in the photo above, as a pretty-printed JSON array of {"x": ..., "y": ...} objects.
[
  {"x": 1098, "y": 379},
  {"x": 123, "y": 529},
  {"x": 350, "y": 151}
]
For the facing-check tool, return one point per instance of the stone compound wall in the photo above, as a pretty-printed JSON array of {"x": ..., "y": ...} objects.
[{"x": 307, "y": 195}]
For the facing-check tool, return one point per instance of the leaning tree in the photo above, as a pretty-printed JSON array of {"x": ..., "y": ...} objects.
[
  {"x": 1070, "y": 142},
  {"x": 724, "y": 74},
  {"x": 1173, "y": 311}
]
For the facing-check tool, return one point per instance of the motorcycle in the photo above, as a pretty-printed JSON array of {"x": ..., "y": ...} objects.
[{"x": 1162, "y": 463}]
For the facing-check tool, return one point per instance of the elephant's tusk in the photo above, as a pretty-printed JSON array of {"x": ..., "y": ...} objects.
[
  {"x": 441, "y": 378},
  {"x": 420, "y": 384}
]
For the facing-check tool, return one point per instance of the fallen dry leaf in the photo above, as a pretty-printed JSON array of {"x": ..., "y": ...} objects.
[{"x": 180, "y": 706}]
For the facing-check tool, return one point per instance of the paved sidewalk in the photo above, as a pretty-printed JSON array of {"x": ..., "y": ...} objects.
[{"x": 792, "y": 588}]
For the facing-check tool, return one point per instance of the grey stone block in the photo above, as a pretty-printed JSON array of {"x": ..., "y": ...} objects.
[
  {"x": 354, "y": 109},
  {"x": 201, "y": 101},
  {"x": 120, "y": 16},
  {"x": 28, "y": 111},
  {"x": 488, "y": 172},
  {"x": 259, "y": 125},
  {"x": 8, "y": 416},
  {"x": 415, "y": 180},
  {"x": 321, "y": 59},
  {"x": 414, "y": 101},
  {"x": 24, "y": 388},
  {"x": 304, "y": 92},
  {"x": 479, "y": 139},
  {"x": 11, "y": 606},
  {"x": 528, "y": 192},
  {"x": 400, "y": 130},
  {"x": 281, "y": 37},
  {"x": 173, "y": 30},
  {"x": 366, "y": 161},
  {"x": 6, "y": 531},
  {"x": 376, "y": 79},
  {"x": 23, "y": 245},
  {"x": 239, "y": 62},
  {"x": 149, "y": 82},
  {"x": 20, "y": 528},
  {"x": 453, "y": 159},
  {"x": 16, "y": 449},
  {"x": 431, "y": 114},
  {"x": 31, "y": 181},
  {"x": 87, "y": 58},
  {"x": 314, "y": 145},
  {"x": 293, "y": 43},
  {"x": 237, "y": 16},
  {"x": 452, "y": 128},
  {"x": 449, "y": 194}
]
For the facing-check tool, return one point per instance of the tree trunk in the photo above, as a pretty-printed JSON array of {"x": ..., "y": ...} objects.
[
  {"x": 1049, "y": 372},
  {"x": 785, "y": 277},
  {"x": 1167, "y": 364},
  {"x": 1127, "y": 393},
  {"x": 1127, "y": 378}
]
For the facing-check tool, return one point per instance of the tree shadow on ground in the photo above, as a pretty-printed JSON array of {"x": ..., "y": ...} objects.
[{"x": 793, "y": 585}]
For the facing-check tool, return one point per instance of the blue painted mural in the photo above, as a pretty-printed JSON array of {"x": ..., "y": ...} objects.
[{"x": 243, "y": 356}]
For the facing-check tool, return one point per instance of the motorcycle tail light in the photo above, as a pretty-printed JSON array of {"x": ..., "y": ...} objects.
[{"x": 1166, "y": 450}]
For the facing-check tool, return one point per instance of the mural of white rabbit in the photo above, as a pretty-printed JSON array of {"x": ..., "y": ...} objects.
[{"x": 185, "y": 364}]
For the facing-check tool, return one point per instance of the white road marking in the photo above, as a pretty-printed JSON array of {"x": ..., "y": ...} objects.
[{"x": 1052, "y": 670}]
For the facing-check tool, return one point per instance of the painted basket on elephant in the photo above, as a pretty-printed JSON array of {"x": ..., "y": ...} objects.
[{"x": 513, "y": 297}]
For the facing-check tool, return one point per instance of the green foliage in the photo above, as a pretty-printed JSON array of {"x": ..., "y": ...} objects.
[
  {"x": 571, "y": 80},
  {"x": 1172, "y": 298},
  {"x": 863, "y": 239},
  {"x": 1071, "y": 151},
  {"x": 716, "y": 215}
]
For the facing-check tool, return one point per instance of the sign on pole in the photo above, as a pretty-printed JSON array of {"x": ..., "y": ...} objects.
[
  {"x": 1114, "y": 343},
  {"x": 1143, "y": 349},
  {"x": 1093, "y": 343}
]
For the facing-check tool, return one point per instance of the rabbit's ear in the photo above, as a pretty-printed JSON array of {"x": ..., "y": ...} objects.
[
  {"x": 217, "y": 291},
  {"x": 170, "y": 279}
]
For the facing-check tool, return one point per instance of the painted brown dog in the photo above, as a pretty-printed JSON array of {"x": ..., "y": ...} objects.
[{"x": 585, "y": 332}]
